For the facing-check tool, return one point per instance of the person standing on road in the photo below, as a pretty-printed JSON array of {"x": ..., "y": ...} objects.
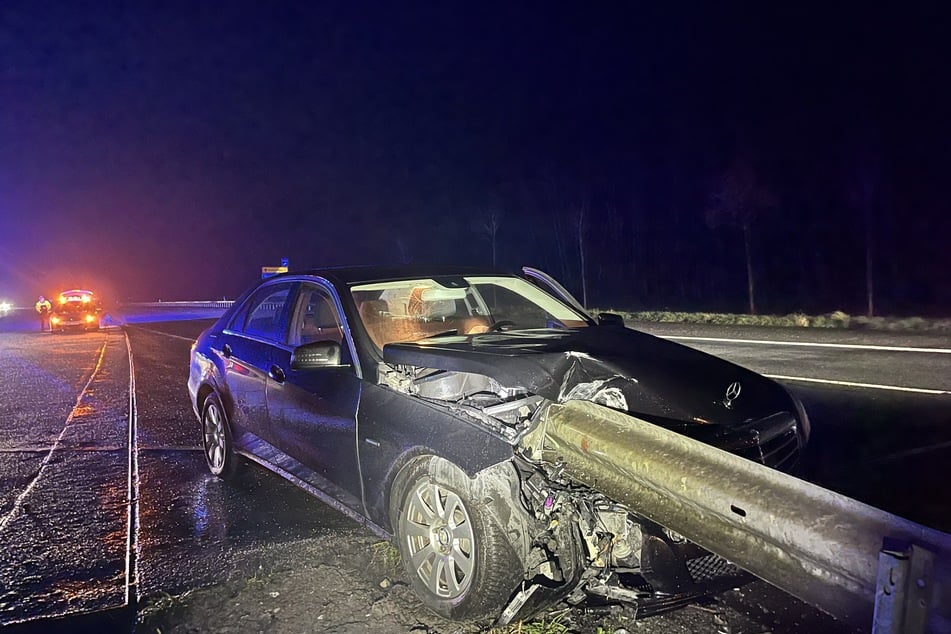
[{"x": 43, "y": 309}]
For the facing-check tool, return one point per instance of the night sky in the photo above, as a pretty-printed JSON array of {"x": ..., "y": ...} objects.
[{"x": 169, "y": 150}]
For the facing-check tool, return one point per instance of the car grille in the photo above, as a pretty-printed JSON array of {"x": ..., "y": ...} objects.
[
  {"x": 772, "y": 441},
  {"x": 709, "y": 568}
]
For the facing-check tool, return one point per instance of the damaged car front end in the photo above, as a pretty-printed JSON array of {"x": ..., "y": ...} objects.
[
  {"x": 451, "y": 386},
  {"x": 582, "y": 543}
]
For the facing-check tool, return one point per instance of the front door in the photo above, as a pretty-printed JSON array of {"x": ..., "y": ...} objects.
[{"x": 313, "y": 412}]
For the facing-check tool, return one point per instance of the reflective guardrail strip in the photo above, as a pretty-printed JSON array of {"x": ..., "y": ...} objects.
[{"x": 813, "y": 543}]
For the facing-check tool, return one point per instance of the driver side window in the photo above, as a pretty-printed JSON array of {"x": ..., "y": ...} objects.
[
  {"x": 315, "y": 318},
  {"x": 264, "y": 314}
]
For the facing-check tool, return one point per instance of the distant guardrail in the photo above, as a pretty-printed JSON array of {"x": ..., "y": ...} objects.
[
  {"x": 221, "y": 304},
  {"x": 139, "y": 312}
]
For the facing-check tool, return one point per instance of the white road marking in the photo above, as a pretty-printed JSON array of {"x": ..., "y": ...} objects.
[
  {"x": 917, "y": 451},
  {"x": 18, "y": 503},
  {"x": 132, "y": 494},
  {"x": 814, "y": 344},
  {"x": 167, "y": 334},
  {"x": 874, "y": 386},
  {"x": 43, "y": 448}
]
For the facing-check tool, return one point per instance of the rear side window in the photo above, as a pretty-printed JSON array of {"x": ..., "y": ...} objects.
[{"x": 265, "y": 313}]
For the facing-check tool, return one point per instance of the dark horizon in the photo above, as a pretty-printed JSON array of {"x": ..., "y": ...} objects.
[{"x": 157, "y": 151}]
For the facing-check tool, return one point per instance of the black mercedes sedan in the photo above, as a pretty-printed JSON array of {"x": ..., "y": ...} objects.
[{"x": 404, "y": 398}]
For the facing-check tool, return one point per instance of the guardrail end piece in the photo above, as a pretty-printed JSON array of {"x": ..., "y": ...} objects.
[{"x": 903, "y": 588}]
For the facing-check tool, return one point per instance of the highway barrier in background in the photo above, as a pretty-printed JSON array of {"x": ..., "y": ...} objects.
[
  {"x": 140, "y": 312},
  {"x": 222, "y": 304},
  {"x": 871, "y": 569}
]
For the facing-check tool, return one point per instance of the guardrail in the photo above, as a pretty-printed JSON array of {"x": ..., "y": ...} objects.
[
  {"x": 868, "y": 568},
  {"x": 223, "y": 304}
]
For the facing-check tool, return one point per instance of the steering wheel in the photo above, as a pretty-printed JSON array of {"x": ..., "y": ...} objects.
[{"x": 497, "y": 326}]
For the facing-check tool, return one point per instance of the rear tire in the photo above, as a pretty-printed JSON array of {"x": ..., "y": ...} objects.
[
  {"x": 453, "y": 550},
  {"x": 217, "y": 441}
]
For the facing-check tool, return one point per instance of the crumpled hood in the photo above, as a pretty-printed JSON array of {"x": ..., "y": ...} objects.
[{"x": 653, "y": 378}]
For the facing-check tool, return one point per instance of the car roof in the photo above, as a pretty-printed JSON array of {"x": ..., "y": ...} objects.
[{"x": 347, "y": 275}]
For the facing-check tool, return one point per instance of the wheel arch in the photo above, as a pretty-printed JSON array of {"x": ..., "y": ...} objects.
[
  {"x": 206, "y": 389},
  {"x": 499, "y": 482},
  {"x": 501, "y": 536}
]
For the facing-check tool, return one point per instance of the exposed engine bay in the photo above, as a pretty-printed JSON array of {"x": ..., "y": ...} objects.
[{"x": 577, "y": 544}]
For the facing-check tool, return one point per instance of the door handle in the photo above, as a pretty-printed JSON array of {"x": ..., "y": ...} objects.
[
  {"x": 276, "y": 373},
  {"x": 226, "y": 351}
]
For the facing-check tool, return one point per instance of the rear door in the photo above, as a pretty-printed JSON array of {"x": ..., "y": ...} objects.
[
  {"x": 313, "y": 412},
  {"x": 247, "y": 348}
]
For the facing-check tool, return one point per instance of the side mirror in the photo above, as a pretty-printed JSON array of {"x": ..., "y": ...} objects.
[
  {"x": 319, "y": 354},
  {"x": 610, "y": 319}
]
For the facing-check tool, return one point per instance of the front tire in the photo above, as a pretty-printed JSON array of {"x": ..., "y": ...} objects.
[
  {"x": 453, "y": 550},
  {"x": 217, "y": 442}
]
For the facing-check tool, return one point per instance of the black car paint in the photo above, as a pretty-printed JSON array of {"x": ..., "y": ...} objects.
[
  {"x": 244, "y": 363},
  {"x": 395, "y": 428},
  {"x": 312, "y": 417},
  {"x": 663, "y": 382}
]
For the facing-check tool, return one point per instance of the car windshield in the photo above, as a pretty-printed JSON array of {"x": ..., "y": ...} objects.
[{"x": 410, "y": 310}]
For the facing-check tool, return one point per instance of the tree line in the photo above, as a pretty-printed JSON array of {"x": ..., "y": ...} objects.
[{"x": 734, "y": 241}]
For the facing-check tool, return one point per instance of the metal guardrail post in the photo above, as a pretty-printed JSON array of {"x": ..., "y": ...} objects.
[
  {"x": 815, "y": 544},
  {"x": 903, "y": 589}
]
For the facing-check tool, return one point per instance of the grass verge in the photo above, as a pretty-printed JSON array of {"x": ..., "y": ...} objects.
[
  {"x": 551, "y": 623},
  {"x": 835, "y": 319}
]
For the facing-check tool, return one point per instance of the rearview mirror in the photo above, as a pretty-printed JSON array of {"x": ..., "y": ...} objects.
[{"x": 319, "y": 354}]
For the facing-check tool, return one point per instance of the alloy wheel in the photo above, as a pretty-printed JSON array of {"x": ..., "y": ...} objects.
[
  {"x": 215, "y": 437},
  {"x": 439, "y": 538}
]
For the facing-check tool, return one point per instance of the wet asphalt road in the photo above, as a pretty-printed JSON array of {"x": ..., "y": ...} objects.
[
  {"x": 78, "y": 535},
  {"x": 64, "y": 473},
  {"x": 67, "y": 544}
]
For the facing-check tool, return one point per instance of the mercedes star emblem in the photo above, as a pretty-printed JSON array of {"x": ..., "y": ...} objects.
[{"x": 732, "y": 393}]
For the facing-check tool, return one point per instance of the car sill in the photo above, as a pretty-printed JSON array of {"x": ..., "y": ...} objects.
[{"x": 320, "y": 495}]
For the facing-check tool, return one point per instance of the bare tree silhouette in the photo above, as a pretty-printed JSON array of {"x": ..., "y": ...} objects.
[
  {"x": 737, "y": 203},
  {"x": 489, "y": 227},
  {"x": 580, "y": 215}
]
